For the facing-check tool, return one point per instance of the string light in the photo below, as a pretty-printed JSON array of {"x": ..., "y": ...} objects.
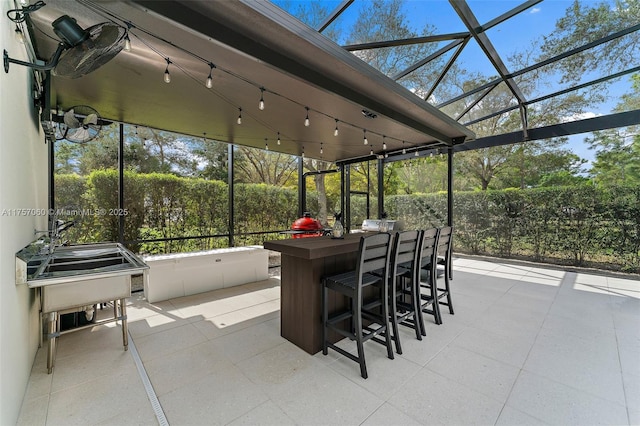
[
  {"x": 321, "y": 150},
  {"x": 127, "y": 43},
  {"x": 278, "y": 138},
  {"x": 204, "y": 137},
  {"x": 384, "y": 144},
  {"x": 431, "y": 155},
  {"x": 306, "y": 119},
  {"x": 371, "y": 151},
  {"x": 209, "y": 83},
  {"x": 416, "y": 153},
  {"x": 167, "y": 76},
  {"x": 404, "y": 149},
  {"x": 261, "y": 103},
  {"x": 302, "y": 151},
  {"x": 239, "y": 116},
  {"x": 335, "y": 132},
  {"x": 364, "y": 132},
  {"x": 19, "y": 35},
  {"x": 266, "y": 144}
]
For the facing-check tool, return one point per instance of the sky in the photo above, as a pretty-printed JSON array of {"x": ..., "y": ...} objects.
[{"x": 508, "y": 37}]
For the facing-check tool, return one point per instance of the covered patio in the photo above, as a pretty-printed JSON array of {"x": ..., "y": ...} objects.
[{"x": 527, "y": 345}]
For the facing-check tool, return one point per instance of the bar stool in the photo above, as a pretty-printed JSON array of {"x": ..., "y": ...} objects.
[
  {"x": 426, "y": 275},
  {"x": 373, "y": 254},
  {"x": 445, "y": 242},
  {"x": 404, "y": 287}
]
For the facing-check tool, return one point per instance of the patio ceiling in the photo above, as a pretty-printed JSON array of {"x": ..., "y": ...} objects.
[{"x": 253, "y": 45}]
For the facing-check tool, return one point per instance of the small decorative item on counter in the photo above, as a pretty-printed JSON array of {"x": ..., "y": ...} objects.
[
  {"x": 384, "y": 225},
  {"x": 338, "y": 229}
]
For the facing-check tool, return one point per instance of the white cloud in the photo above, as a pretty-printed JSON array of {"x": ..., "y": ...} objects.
[
  {"x": 535, "y": 10},
  {"x": 581, "y": 116}
]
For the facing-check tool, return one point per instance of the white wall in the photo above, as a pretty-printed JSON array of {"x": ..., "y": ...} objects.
[{"x": 23, "y": 184}]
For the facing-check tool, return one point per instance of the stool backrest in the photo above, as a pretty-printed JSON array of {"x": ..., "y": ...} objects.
[
  {"x": 406, "y": 248},
  {"x": 428, "y": 253},
  {"x": 374, "y": 253}
]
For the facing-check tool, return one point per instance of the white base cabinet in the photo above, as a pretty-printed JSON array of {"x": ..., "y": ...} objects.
[{"x": 184, "y": 274}]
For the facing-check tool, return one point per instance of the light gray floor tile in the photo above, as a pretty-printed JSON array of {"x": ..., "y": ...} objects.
[
  {"x": 266, "y": 414},
  {"x": 166, "y": 342},
  {"x": 324, "y": 397},
  {"x": 97, "y": 400},
  {"x": 216, "y": 398},
  {"x": 578, "y": 363},
  {"x": 556, "y": 403},
  {"x": 388, "y": 415},
  {"x": 248, "y": 342},
  {"x": 179, "y": 368},
  {"x": 34, "y": 412},
  {"x": 386, "y": 376},
  {"x": 513, "y": 351},
  {"x": 485, "y": 375},
  {"x": 154, "y": 324},
  {"x": 142, "y": 415},
  {"x": 510, "y": 417},
  {"x": 435, "y": 399}
]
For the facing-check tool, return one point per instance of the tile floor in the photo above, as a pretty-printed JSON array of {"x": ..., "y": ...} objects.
[{"x": 526, "y": 346}]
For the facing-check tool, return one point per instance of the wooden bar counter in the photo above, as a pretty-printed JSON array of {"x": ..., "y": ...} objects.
[{"x": 304, "y": 262}]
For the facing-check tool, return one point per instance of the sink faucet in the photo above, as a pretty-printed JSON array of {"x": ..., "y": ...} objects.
[{"x": 56, "y": 228}]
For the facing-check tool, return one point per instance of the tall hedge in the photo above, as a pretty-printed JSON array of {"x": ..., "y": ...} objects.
[{"x": 581, "y": 225}]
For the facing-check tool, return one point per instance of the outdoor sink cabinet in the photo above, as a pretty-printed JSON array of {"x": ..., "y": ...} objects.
[
  {"x": 75, "y": 278},
  {"x": 304, "y": 262}
]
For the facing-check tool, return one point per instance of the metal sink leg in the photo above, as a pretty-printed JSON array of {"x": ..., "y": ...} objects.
[{"x": 53, "y": 333}]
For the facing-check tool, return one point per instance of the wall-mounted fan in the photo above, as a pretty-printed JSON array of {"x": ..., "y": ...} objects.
[
  {"x": 80, "y": 124},
  {"x": 80, "y": 51}
]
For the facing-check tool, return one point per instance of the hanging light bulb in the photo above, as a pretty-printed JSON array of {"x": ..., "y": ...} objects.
[
  {"x": 266, "y": 144},
  {"x": 302, "y": 155},
  {"x": 278, "y": 138},
  {"x": 384, "y": 144},
  {"x": 404, "y": 150},
  {"x": 366, "y": 141},
  {"x": 371, "y": 151},
  {"x": 306, "y": 119},
  {"x": 239, "y": 116},
  {"x": 321, "y": 150},
  {"x": 431, "y": 155},
  {"x": 167, "y": 76},
  {"x": 204, "y": 137},
  {"x": 335, "y": 132},
  {"x": 127, "y": 43},
  {"x": 209, "y": 83},
  {"x": 386, "y": 155},
  {"x": 416, "y": 153},
  {"x": 261, "y": 103},
  {"x": 19, "y": 35}
]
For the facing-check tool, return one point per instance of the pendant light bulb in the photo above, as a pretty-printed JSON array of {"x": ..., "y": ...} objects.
[
  {"x": 371, "y": 151},
  {"x": 366, "y": 141},
  {"x": 278, "y": 138},
  {"x": 261, "y": 103},
  {"x": 302, "y": 155},
  {"x": 167, "y": 76},
  {"x": 416, "y": 153},
  {"x": 127, "y": 43},
  {"x": 306, "y": 119},
  {"x": 384, "y": 144},
  {"x": 431, "y": 155},
  {"x": 335, "y": 132},
  {"x": 239, "y": 116},
  {"x": 404, "y": 150},
  {"x": 209, "y": 83},
  {"x": 266, "y": 144},
  {"x": 321, "y": 150}
]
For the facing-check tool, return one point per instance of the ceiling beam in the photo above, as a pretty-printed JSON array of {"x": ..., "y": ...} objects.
[{"x": 611, "y": 121}]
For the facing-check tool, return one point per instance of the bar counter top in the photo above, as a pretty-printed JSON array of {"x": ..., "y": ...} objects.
[{"x": 316, "y": 247}]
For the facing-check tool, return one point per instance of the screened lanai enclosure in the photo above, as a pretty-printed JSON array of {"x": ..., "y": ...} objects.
[{"x": 219, "y": 123}]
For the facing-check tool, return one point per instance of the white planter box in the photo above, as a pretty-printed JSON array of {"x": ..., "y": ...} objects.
[{"x": 183, "y": 274}]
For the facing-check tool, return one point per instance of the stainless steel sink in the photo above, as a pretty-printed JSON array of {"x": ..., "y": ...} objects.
[{"x": 71, "y": 278}]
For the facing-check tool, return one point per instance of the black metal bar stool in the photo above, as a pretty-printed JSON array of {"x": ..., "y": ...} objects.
[
  {"x": 404, "y": 291},
  {"x": 445, "y": 242},
  {"x": 426, "y": 275},
  {"x": 373, "y": 254}
]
